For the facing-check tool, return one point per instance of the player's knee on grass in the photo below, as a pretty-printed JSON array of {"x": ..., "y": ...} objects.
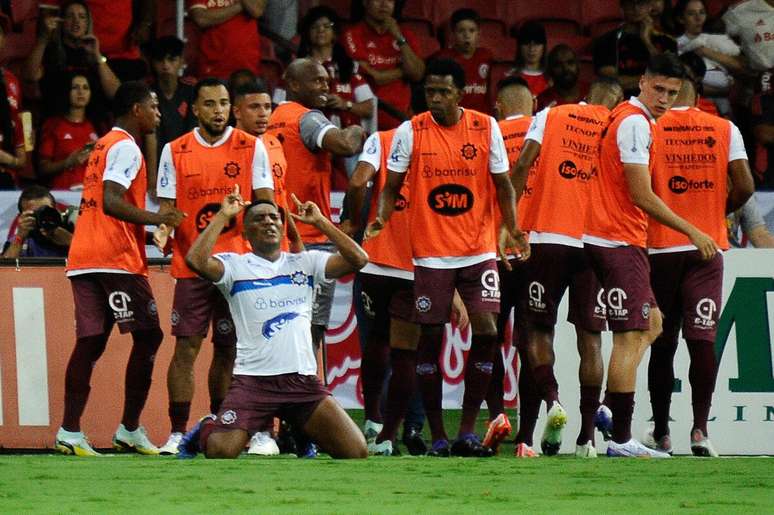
[
  {"x": 335, "y": 432},
  {"x": 226, "y": 444},
  {"x": 404, "y": 335}
]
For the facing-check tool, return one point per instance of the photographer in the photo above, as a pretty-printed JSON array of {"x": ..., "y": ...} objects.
[{"x": 41, "y": 230}]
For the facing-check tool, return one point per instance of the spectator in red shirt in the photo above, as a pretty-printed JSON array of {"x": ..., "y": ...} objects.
[
  {"x": 12, "y": 154},
  {"x": 230, "y": 39},
  {"x": 67, "y": 140},
  {"x": 563, "y": 71},
  {"x": 531, "y": 56},
  {"x": 387, "y": 56},
  {"x": 476, "y": 61}
]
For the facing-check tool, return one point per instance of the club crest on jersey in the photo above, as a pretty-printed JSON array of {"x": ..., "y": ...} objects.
[
  {"x": 225, "y": 326},
  {"x": 469, "y": 151},
  {"x": 232, "y": 169},
  {"x": 152, "y": 308},
  {"x": 276, "y": 169},
  {"x": 646, "y": 311},
  {"x": 274, "y": 325},
  {"x": 175, "y": 317},
  {"x": 228, "y": 417},
  {"x": 423, "y": 304},
  {"x": 483, "y": 71},
  {"x": 298, "y": 278}
]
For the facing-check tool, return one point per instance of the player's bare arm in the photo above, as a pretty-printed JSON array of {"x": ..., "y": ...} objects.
[
  {"x": 506, "y": 198},
  {"x": 641, "y": 193},
  {"x": 386, "y": 203},
  {"x": 520, "y": 171},
  {"x": 344, "y": 142},
  {"x": 199, "y": 257},
  {"x": 350, "y": 256},
  {"x": 117, "y": 206},
  {"x": 204, "y": 17},
  {"x": 356, "y": 190},
  {"x": 741, "y": 184},
  {"x": 254, "y": 8}
]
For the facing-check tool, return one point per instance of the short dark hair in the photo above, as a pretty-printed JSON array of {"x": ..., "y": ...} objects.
[
  {"x": 667, "y": 65},
  {"x": 512, "y": 80},
  {"x": 258, "y": 202},
  {"x": 442, "y": 67},
  {"x": 207, "y": 82},
  {"x": 128, "y": 94},
  {"x": 250, "y": 88},
  {"x": 165, "y": 46},
  {"x": 465, "y": 14},
  {"x": 606, "y": 80},
  {"x": 695, "y": 69},
  {"x": 34, "y": 192}
]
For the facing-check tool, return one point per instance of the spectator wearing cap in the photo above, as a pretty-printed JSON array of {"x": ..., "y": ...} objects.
[
  {"x": 624, "y": 53},
  {"x": 563, "y": 72},
  {"x": 531, "y": 57},
  {"x": 230, "y": 39},
  {"x": 12, "y": 154}
]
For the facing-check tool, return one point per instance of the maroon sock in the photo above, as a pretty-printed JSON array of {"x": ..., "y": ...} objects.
[
  {"x": 139, "y": 370},
  {"x": 399, "y": 392},
  {"x": 496, "y": 391},
  {"x": 622, "y": 407},
  {"x": 529, "y": 401},
  {"x": 78, "y": 378},
  {"x": 702, "y": 374},
  {"x": 178, "y": 415},
  {"x": 546, "y": 384},
  {"x": 661, "y": 381},
  {"x": 478, "y": 375},
  {"x": 373, "y": 368},
  {"x": 589, "y": 402},
  {"x": 431, "y": 382}
]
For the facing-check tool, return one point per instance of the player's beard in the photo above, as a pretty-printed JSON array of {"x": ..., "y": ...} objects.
[{"x": 212, "y": 130}]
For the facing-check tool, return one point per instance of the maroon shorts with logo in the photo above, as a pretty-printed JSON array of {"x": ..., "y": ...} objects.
[
  {"x": 253, "y": 401},
  {"x": 688, "y": 289},
  {"x": 102, "y": 299},
  {"x": 624, "y": 273},
  {"x": 551, "y": 269},
  {"x": 386, "y": 297},
  {"x": 196, "y": 303},
  {"x": 479, "y": 287}
]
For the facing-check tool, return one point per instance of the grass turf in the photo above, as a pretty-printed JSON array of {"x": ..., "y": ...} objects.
[{"x": 52, "y": 483}]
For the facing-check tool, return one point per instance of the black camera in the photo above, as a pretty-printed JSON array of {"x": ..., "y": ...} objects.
[{"x": 47, "y": 218}]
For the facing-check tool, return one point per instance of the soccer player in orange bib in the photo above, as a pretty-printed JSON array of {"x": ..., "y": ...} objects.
[
  {"x": 616, "y": 236},
  {"x": 108, "y": 271},
  {"x": 457, "y": 165},
  {"x": 566, "y": 138},
  {"x": 195, "y": 171},
  {"x": 698, "y": 153}
]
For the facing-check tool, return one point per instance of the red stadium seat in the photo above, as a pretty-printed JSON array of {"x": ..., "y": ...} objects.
[
  {"x": 19, "y": 44},
  {"x": 23, "y": 10},
  {"x": 718, "y": 7},
  {"x": 594, "y": 11},
  {"x": 499, "y": 71},
  {"x": 503, "y": 48},
  {"x": 419, "y": 10},
  {"x": 428, "y": 45},
  {"x": 555, "y": 15},
  {"x": 581, "y": 44},
  {"x": 419, "y": 27},
  {"x": 603, "y": 27},
  {"x": 587, "y": 73}
]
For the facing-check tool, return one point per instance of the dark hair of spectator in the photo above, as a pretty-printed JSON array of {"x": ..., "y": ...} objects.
[
  {"x": 249, "y": 88},
  {"x": 344, "y": 64},
  {"x": 357, "y": 9},
  {"x": 442, "y": 67},
  {"x": 531, "y": 32},
  {"x": 667, "y": 65},
  {"x": 695, "y": 69},
  {"x": 237, "y": 77},
  {"x": 55, "y": 50},
  {"x": 34, "y": 192},
  {"x": 667, "y": 19},
  {"x": 165, "y": 46},
  {"x": 679, "y": 11},
  {"x": 63, "y": 100},
  {"x": 511, "y": 80},
  {"x": 207, "y": 82},
  {"x": 465, "y": 14},
  {"x": 128, "y": 94}
]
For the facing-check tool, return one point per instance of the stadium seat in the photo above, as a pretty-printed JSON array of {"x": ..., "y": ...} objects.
[
  {"x": 342, "y": 7},
  {"x": 602, "y": 27},
  {"x": 587, "y": 73},
  {"x": 557, "y": 16},
  {"x": 503, "y": 48},
  {"x": 718, "y": 7},
  {"x": 23, "y": 10},
  {"x": 594, "y": 11},
  {"x": 418, "y": 10},
  {"x": 420, "y": 28},
  {"x": 581, "y": 44},
  {"x": 428, "y": 45},
  {"x": 19, "y": 44},
  {"x": 499, "y": 71}
]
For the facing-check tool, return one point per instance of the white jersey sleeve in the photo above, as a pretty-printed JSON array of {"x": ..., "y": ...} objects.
[
  {"x": 634, "y": 139},
  {"x": 166, "y": 182},
  {"x": 227, "y": 281},
  {"x": 262, "y": 176},
  {"x": 372, "y": 152},
  {"x": 498, "y": 155},
  {"x": 736, "y": 148},
  {"x": 537, "y": 128},
  {"x": 122, "y": 163},
  {"x": 318, "y": 259},
  {"x": 402, "y": 145}
]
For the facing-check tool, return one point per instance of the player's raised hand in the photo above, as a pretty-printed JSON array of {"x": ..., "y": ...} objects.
[
  {"x": 233, "y": 203},
  {"x": 373, "y": 229},
  {"x": 308, "y": 212},
  {"x": 705, "y": 244}
]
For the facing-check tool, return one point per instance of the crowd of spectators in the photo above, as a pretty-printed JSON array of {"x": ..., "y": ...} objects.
[{"x": 84, "y": 48}]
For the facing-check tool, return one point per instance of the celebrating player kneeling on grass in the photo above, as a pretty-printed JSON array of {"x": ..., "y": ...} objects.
[{"x": 270, "y": 294}]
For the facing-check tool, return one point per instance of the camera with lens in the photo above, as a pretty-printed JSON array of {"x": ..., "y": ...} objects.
[{"x": 48, "y": 218}]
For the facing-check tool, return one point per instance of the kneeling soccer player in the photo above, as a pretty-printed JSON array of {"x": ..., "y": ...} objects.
[{"x": 270, "y": 295}]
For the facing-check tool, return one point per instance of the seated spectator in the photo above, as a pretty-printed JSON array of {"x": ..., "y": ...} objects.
[
  {"x": 67, "y": 140},
  {"x": 722, "y": 56},
  {"x": 752, "y": 23},
  {"x": 12, "y": 154},
  {"x": 624, "y": 53},
  {"x": 387, "y": 56},
  {"x": 563, "y": 71},
  {"x": 531, "y": 57},
  {"x": 476, "y": 61},
  {"x": 763, "y": 130},
  {"x": 230, "y": 39},
  {"x": 40, "y": 229},
  {"x": 747, "y": 226},
  {"x": 73, "y": 48}
]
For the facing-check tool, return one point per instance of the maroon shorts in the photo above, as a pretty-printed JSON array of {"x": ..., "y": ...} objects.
[
  {"x": 102, "y": 299},
  {"x": 196, "y": 303},
  {"x": 512, "y": 287},
  {"x": 551, "y": 269},
  {"x": 386, "y": 297},
  {"x": 253, "y": 401},
  {"x": 688, "y": 290},
  {"x": 479, "y": 287},
  {"x": 625, "y": 276}
]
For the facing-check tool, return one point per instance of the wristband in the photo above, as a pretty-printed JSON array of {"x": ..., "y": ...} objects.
[{"x": 18, "y": 240}]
